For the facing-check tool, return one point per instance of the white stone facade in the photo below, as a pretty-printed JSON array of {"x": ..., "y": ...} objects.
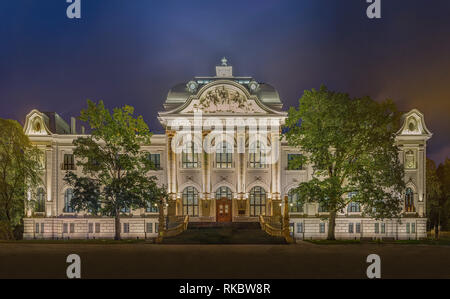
[{"x": 220, "y": 98}]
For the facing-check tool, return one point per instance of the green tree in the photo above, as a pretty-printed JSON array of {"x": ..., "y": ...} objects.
[
  {"x": 350, "y": 143},
  {"x": 443, "y": 173},
  {"x": 20, "y": 172},
  {"x": 115, "y": 170},
  {"x": 434, "y": 196}
]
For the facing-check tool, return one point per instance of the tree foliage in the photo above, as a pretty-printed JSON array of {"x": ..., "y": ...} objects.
[
  {"x": 20, "y": 172},
  {"x": 115, "y": 171},
  {"x": 438, "y": 194},
  {"x": 350, "y": 143}
]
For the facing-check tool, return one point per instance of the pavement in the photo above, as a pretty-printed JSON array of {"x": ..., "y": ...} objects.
[{"x": 268, "y": 261}]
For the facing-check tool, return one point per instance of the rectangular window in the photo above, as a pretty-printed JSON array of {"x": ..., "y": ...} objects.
[
  {"x": 149, "y": 227},
  {"x": 126, "y": 228},
  {"x": 42, "y": 228},
  {"x": 383, "y": 228},
  {"x": 350, "y": 228},
  {"x": 408, "y": 229},
  {"x": 69, "y": 163},
  {"x": 413, "y": 228},
  {"x": 156, "y": 160},
  {"x": 65, "y": 228},
  {"x": 300, "y": 227},
  {"x": 358, "y": 228},
  {"x": 72, "y": 228},
  {"x": 377, "y": 228},
  {"x": 189, "y": 156},
  {"x": 156, "y": 227},
  {"x": 97, "y": 228},
  {"x": 91, "y": 228},
  {"x": 152, "y": 208},
  {"x": 37, "y": 228},
  {"x": 322, "y": 228},
  {"x": 294, "y": 162}
]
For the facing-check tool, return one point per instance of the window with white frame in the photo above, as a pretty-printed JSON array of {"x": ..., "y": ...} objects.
[
  {"x": 257, "y": 157},
  {"x": 294, "y": 205},
  {"x": 156, "y": 161},
  {"x": 68, "y": 195},
  {"x": 126, "y": 228},
  {"x": 224, "y": 155},
  {"x": 190, "y": 155},
  {"x": 322, "y": 227}
]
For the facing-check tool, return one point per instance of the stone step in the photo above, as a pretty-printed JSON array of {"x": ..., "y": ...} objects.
[{"x": 231, "y": 234}]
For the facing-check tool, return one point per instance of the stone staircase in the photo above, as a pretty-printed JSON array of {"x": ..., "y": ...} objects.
[{"x": 224, "y": 233}]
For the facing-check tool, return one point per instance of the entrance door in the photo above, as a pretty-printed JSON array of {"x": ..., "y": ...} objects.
[{"x": 223, "y": 213}]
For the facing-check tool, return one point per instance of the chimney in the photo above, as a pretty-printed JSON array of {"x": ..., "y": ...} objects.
[
  {"x": 82, "y": 130},
  {"x": 73, "y": 125}
]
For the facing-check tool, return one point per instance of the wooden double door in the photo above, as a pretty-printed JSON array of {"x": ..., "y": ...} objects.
[{"x": 223, "y": 210}]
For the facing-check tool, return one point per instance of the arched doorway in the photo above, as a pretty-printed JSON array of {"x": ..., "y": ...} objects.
[{"x": 223, "y": 205}]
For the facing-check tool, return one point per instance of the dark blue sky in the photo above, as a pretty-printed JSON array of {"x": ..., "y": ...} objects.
[{"x": 132, "y": 52}]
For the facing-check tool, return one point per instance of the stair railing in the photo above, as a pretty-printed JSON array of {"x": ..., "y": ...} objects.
[
  {"x": 269, "y": 229},
  {"x": 175, "y": 231}
]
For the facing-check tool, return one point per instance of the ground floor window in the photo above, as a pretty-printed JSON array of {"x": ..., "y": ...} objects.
[
  {"x": 322, "y": 227},
  {"x": 300, "y": 227},
  {"x": 358, "y": 228},
  {"x": 190, "y": 201},
  {"x": 257, "y": 201},
  {"x": 149, "y": 227},
  {"x": 350, "y": 228},
  {"x": 126, "y": 228}
]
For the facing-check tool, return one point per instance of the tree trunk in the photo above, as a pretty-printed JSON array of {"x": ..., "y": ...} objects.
[
  {"x": 161, "y": 221},
  {"x": 437, "y": 225},
  {"x": 117, "y": 224},
  {"x": 331, "y": 226}
]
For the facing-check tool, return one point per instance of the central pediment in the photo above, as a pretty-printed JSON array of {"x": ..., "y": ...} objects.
[{"x": 223, "y": 98}]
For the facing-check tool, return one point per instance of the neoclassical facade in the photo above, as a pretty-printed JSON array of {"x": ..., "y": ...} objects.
[{"x": 222, "y": 160}]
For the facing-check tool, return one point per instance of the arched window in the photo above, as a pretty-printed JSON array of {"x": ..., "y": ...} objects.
[
  {"x": 224, "y": 155},
  {"x": 190, "y": 201},
  {"x": 257, "y": 201},
  {"x": 68, "y": 195},
  {"x": 409, "y": 200},
  {"x": 257, "y": 158},
  {"x": 294, "y": 205},
  {"x": 189, "y": 156},
  {"x": 40, "y": 200},
  {"x": 353, "y": 207},
  {"x": 223, "y": 192}
]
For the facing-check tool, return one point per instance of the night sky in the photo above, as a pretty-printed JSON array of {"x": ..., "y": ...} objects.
[{"x": 132, "y": 52}]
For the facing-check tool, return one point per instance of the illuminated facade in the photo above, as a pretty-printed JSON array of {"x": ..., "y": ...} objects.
[{"x": 233, "y": 183}]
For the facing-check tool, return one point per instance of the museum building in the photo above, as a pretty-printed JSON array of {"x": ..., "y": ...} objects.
[{"x": 236, "y": 182}]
